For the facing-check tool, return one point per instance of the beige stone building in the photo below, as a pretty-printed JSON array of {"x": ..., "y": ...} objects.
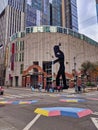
[{"x": 31, "y": 50}]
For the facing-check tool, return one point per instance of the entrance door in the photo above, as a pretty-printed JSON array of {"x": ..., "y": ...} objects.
[
  {"x": 16, "y": 81},
  {"x": 34, "y": 80},
  {"x": 11, "y": 81},
  {"x": 47, "y": 67}
]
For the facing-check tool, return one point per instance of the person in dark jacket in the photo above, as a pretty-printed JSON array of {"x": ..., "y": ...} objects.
[{"x": 61, "y": 72}]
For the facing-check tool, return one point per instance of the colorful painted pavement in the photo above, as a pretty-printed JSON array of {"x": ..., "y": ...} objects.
[
  {"x": 72, "y": 100},
  {"x": 95, "y": 99},
  {"x": 64, "y": 111},
  {"x": 19, "y": 102}
]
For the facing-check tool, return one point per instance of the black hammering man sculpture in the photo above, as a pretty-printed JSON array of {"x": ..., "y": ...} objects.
[{"x": 61, "y": 72}]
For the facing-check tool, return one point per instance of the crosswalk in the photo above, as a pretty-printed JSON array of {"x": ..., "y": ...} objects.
[
  {"x": 22, "y": 95},
  {"x": 12, "y": 96},
  {"x": 8, "y": 95}
]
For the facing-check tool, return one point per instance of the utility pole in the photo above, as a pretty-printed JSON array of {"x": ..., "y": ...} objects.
[{"x": 75, "y": 74}]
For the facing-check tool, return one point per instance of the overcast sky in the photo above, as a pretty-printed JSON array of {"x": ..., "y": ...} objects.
[{"x": 87, "y": 18}]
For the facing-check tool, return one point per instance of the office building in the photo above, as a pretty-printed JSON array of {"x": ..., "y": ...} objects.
[
  {"x": 33, "y": 49},
  {"x": 56, "y": 13},
  {"x": 11, "y": 21},
  {"x": 16, "y": 15},
  {"x": 69, "y": 14},
  {"x": 42, "y": 11},
  {"x": 64, "y": 13}
]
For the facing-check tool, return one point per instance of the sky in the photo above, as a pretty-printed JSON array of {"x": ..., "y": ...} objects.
[{"x": 87, "y": 19}]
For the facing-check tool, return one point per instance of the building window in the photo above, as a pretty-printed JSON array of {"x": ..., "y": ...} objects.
[
  {"x": 46, "y": 29},
  {"x": 22, "y": 34},
  {"x": 22, "y": 56},
  {"x": 28, "y": 30},
  {"x": 21, "y": 68},
  {"x": 35, "y": 63},
  {"x": 21, "y": 45}
]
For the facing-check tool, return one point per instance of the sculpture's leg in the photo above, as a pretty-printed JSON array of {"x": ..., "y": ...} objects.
[
  {"x": 58, "y": 78},
  {"x": 64, "y": 80}
]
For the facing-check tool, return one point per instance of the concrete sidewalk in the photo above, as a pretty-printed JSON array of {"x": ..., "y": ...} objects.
[{"x": 69, "y": 91}]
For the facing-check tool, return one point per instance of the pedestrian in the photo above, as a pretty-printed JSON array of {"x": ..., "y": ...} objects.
[
  {"x": 32, "y": 88},
  {"x": 83, "y": 86},
  {"x": 40, "y": 87},
  {"x": 53, "y": 85}
]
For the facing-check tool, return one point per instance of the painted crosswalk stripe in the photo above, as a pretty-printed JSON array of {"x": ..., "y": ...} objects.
[
  {"x": 21, "y": 102},
  {"x": 16, "y": 96},
  {"x": 95, "y": 113},
  {"x": 95, "y": 121},
  {"x": 32, "y": 122}
]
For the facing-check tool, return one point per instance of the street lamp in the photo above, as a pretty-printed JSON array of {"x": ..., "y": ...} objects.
[
  {"x": 75, "y": 74},
  {"x": 74, "y": 58}
]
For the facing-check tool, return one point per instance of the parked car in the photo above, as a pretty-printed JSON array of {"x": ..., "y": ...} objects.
[{"x": 1, "y": 90}]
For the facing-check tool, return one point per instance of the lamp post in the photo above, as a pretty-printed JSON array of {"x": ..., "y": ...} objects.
[{"x": 75, "y": 75}]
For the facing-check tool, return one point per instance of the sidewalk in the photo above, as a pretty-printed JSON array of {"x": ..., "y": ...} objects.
[{"x": 69, "y": 91}]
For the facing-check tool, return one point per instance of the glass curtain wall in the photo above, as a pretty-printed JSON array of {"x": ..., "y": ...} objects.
[
  {"x": 74, "y": 15},
  {"x": 56, "y": 12}
]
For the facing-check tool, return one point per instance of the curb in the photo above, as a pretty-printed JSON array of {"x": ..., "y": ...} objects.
[{"x": 69, "y": 91}]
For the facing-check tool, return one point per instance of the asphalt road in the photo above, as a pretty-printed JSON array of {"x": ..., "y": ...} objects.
[{"x": 22, "y": 116}]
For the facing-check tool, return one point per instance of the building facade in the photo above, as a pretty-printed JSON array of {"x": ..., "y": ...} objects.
[
  {"x": 37, "y": 13},
  {"x": 64, "y": 13},
  {"x": 56, "y": 13},
  {"x": 69, "y": 14},
  {"x": 16, "y": 15},
  {"x": 11, "y": 21},
  {"x": 31, "y": 50}
]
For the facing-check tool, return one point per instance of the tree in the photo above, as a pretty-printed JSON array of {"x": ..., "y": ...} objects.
[
  {"x": 90, "y": 70},
  {"x": 87, "y": 69}
]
